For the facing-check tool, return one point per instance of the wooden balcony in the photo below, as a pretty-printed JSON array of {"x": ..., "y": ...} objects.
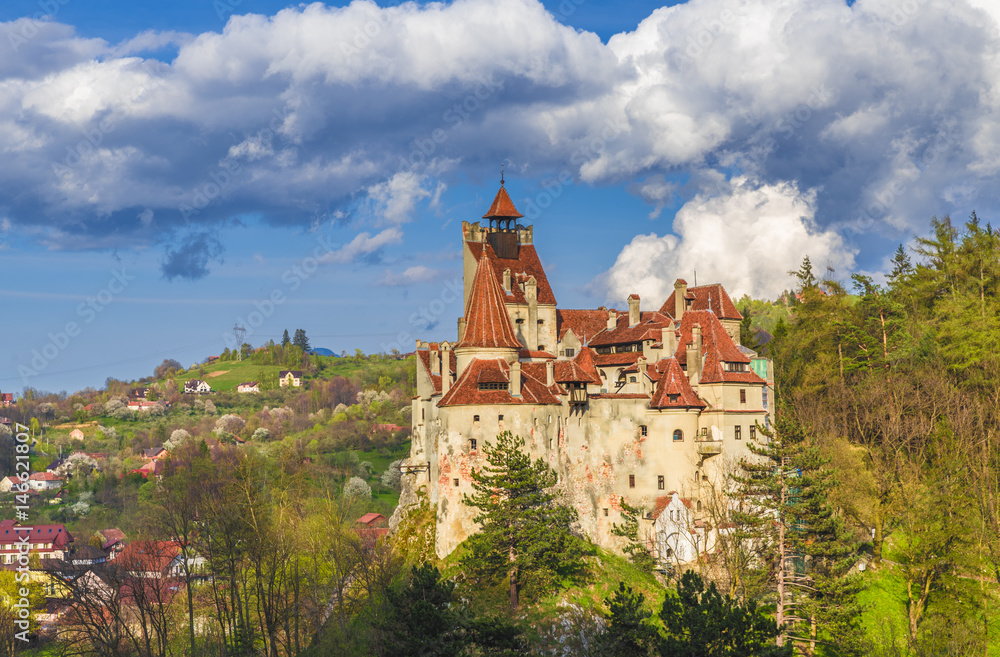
[{"x": 578, "y": 396}]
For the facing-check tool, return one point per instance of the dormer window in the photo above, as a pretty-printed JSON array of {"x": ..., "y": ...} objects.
[{"x": 492, "y": 385}]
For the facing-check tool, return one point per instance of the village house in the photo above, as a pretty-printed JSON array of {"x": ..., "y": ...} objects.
[
  {"x": 249, "y": 386},
  {"x": 196, "y": 386},
  {"x": 6, "y": 399},
  {"x": 158, "y": 559},
  {"x": 42, "y": 481},
  {"x": 76, "y": 434},
  {"x": 7, "y": 484},
  {"x": 622, "y": 404},
  {"x": 291, "y": 378},
  {"x": 47, "y": 541}
]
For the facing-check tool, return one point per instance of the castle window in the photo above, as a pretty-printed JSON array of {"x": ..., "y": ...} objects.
[
  {"x": 492, "y": 385},
  {"x": 541, "y": 321},
  {"x": 631, "y": 481},
  {"x": 753, "y": 432},
  {"x": 660, "y": 483},
  {"x": 472, "y": 444},
  {"x": 421, "y": 414},
  {"x": 632, "y": 379},
  {"x": 743, "y": 396},
  {"x": 738, "y": 432},
  {"x": 475, "y": 418},
  {"x": 698, "y": 505},
  {"x": 541, "y": 347},
  {"x": 674, "y": 398},
  {"x": 605, "y": 512},
  {"x": 456, "y": 481},
  {"x": 643, "y": 430},
  {"x": 570, "y": 352},
  {"x": 678, "y": 435},
  {"x": 519, "y": 321},
  {"x": 500, "y": 417}
]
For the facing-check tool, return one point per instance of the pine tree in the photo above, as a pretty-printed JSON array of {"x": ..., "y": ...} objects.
[
  {"x": 629, "y": 632},
  {"x": 524, "y": 535},
  {"x": 901, "y": 268},
  {"x": 285, "y": 340},
  {"x": 300, "y": 340},
  {"x": 701, "y": 622},
  {"x": 748, "y": 336},
  {"x": 785, "y": 491},
  {"x": 636, "y": 548}
]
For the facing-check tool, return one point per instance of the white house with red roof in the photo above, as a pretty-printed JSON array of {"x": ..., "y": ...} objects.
[
  {"x": 623, "y": 404},
  {"x": 42, "y": 481}
]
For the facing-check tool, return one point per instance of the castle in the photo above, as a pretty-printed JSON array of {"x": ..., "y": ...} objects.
[{"x": 649, "y": 406}]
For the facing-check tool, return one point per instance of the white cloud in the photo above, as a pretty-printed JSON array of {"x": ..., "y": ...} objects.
[
  {"x": 410, "y": 276},
  {"x": 364, "y": 244},
  {"x": 396, "y": 198},
  {"x": 748, "y": 240}
]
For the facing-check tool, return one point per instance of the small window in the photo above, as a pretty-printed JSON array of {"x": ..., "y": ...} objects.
[
  {"x": 678, "y": 435},
  {"x": 631, "y": 481},
  {"x": 738, "y": 432},
  {"x": 472, "y": 444},
  {"x": 541, "y": 347},
  {"x": 743, "y": 396},
  {"x": 698, "y": 505},
  {"x": 570, "y": 352},
  {"x": 500, "y": 417},
  {"x": 541, "y": 321},
  {"x": 753, "y": 432},
  {"x": 519, "y": 321},
  {"x": 643, "y": 430},
  {"x": 660, "y": 483},
  {"x": 605, "y": 512},
  {"x": 475, "y": 418},
  {"x": 421, "y": 414},
  {"x": 456, "y": 481}
]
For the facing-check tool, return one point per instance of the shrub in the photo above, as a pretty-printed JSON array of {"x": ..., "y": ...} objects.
[{"x": 357, "y": 487}]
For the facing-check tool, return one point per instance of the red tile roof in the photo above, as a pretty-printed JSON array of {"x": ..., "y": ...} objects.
[
  {"x": 527, "y": 353},
  {"x": 673, "y": 385},
  {"x": 706, "y": 297},
  {"x": 522, "y": 268},
  {"x": 487, "y": 323},
  {"x": 502, "y": 206},
  {"x": 581, "y": 369},
  {"x": 148, "y": 556},
  {"x": 585, "y": 323},
  {"x": 717, "y": 348},
  {"x": 54, "y": 534},
  {"x": 370, "y": 517},
  {"x": 466, "y": 390},
  {"x": 627, "y": 358},
  {"x": 425, "y": 358},
  {"x": 649, "y": 328}
]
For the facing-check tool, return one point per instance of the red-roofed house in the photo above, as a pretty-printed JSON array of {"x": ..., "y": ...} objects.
[
  {"x": 47, "y": 541},
  {"x": 622, "y": 404},
  {"x": 157, "y": 559}
]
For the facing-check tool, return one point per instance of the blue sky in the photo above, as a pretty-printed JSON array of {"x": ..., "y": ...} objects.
[{"x": 170, "y": 168}]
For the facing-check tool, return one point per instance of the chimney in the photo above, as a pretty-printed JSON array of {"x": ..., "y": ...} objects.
[
  {"x": 694, "y": 356},
  {"x": 461, "y": 328},
  {"x": 435, "y": 362},
  {"x": 643, "y": 381},
  {"x": 668, "y": 338},
  {"x": 612, "y": 319},
  {"x": 445, "y": 368},
  {"x": 506, "y": 279},
  {"x": 633, "y": 309},
  {"x": 680, "y": 298},
  {"x": 531, "y": 289},
  {"x": 550, "y": 373},
  {"x": 515, "y": 379}
]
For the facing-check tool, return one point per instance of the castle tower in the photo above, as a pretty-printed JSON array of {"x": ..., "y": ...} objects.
[{"x": 488, "y": 331}]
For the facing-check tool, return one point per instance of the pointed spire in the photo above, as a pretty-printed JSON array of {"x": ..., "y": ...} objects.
[
  {"x": 503, "y": 207},
  {"x": 487, "y": 322}
]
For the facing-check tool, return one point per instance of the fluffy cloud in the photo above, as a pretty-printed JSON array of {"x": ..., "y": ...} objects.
[
  {"x": 888, "y": 110},
  {"x": 747, "y": 239},
  {"x": 410, "y": 276}
]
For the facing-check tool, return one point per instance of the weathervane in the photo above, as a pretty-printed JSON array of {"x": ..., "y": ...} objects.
[{"x": 501, "y": 174}]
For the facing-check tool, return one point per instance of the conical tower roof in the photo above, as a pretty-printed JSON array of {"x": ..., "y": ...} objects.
[
  {"x": 487, "y": 323},
  {"x": 503, "y": 207}
]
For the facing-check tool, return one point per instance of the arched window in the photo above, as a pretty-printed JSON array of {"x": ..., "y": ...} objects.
[{"x": 678, "y": 434}]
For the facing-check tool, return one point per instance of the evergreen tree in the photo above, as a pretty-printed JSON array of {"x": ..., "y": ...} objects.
[
  {"x": 524, "y": 535},
  {"x": 700, "y": 622},
  {"x": 748, "y": 336},
  {"x": 285, "y": 340},
  {"x": 785, "y": 492},
  {"x": 636, "y": 548},
  {"x": 901, "y": 268},
  {"x": 629, "y": 632},
  {"x": 300, "y": 340}
]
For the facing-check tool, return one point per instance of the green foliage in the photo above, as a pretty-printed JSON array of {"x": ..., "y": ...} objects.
[
  {"x": 629, "y": 631},
  {"x": 629, "y": 529},
  {"x": 300, "y": 340},
  {"x": 524, "y": 533},
  {"x": 701, "y": 622}
]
